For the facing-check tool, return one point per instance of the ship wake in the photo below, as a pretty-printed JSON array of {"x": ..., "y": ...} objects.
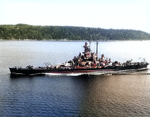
[{"x": 123, "y": 72}]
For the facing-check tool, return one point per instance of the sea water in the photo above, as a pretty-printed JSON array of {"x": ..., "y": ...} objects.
[{"x": 71, "y": 95}]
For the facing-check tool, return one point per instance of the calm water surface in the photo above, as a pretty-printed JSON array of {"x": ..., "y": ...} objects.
[{"x": 103, "y": 95}]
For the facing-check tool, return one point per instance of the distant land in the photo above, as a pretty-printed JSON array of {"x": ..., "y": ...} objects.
[{"x": 24, "y": 31}]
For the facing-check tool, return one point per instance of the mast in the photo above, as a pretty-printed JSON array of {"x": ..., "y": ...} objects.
[
  {"x": 89, "y": 43},
  {"x": 97, "y": 47}
]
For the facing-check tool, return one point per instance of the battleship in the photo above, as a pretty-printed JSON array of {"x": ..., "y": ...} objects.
[{"x": 86, "y": 62}]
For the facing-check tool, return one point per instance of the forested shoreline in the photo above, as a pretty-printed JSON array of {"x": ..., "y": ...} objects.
[{"x": 24, "y": 31}]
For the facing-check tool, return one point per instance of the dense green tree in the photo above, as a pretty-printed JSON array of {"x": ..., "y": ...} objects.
[{"x": 24, "y": 31}]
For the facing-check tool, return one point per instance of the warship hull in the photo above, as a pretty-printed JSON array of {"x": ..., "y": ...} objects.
[{"x": 107, "y": 70}]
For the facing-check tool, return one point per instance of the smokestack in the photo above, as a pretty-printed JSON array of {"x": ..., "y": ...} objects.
[{"x": 97, "y": 47}]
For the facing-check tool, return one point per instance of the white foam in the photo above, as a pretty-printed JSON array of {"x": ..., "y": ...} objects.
[
  {"x": 63, "y": 74},
  {"x": 74, "y": 74}
]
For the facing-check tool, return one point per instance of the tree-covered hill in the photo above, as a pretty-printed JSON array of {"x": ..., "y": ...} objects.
[{"x": 23, "y": 31}]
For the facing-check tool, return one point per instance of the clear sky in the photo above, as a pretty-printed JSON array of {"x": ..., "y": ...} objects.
[{"x": 115, "y": 14}]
